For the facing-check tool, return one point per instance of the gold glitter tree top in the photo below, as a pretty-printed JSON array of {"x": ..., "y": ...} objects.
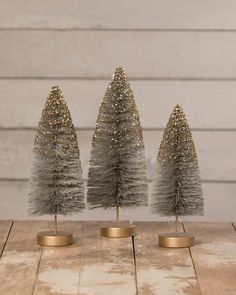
[
  {"x": 55, "y": 129},
  {"x": 177, "y": 146},
  {"x": 118, "y": 117}
]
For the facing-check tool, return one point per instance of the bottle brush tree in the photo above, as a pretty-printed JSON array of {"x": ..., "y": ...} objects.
[
  {"x": 117, "y": 173},
  {"x": 177, "y": 189},
  {"x": 56, "y": 182}
]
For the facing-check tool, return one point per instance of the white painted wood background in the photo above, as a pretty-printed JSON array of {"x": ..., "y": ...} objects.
[{"x": 178, "y": 51}]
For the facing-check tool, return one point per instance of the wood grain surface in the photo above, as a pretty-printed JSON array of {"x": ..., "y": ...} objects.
[
  {"x": 214, "y": 257},
  {"x": 20, "y": 259},
  {"x": 94, "y": 265},
  {"x": 5, "y": 228},
  {"x": 107, "y": 265},
  {"x": 160, "y": 270},
  {"x": 59, "y": 267}
]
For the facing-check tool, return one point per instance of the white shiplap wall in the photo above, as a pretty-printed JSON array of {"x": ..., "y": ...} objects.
[{"x": 174, "y": 51}]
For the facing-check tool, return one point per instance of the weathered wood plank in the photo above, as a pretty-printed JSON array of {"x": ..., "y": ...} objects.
[
  {"x": 138, "y": 14},
  {"x": 20, "y": 259},
  {"x": 85, "y": 96},
  {"x": 5, "y": 227},
  {"x": 220, "y": 203},
  {"x": 213, "y": 147},
  {"x": 60, "y": 267},
  {"x": 162, "y": 271},
  {"x": 214, "y": 257},
  {"x": 172, "y": 55},
  {"x": 107, "y": 265}
]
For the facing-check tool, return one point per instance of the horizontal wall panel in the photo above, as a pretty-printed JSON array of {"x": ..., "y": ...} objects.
[
  {"x": 96, "y": 54},
  {"x": 216, "y": 153},
  {"x": 138, "y": 14},
  {"x": 206, "y": 104},
  {"x": 220, "y": 205},
  {"x": 16, "y": 152}
]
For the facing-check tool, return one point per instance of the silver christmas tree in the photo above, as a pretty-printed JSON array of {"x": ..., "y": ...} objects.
[
  {"x": 117, "y": 173},
  {"x": 56, "y": 182},
  {"x": 177, "y": 189}
]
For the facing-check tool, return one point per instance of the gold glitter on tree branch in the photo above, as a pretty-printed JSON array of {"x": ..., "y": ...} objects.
[
  {"x": 56, "y": 127},
  {"x": 177, "y": 188},
  {"x": 177, "y": 145}
]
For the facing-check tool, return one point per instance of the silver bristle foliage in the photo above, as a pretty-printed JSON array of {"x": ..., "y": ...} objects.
[
  {"x": 117, "y": 174},
  {"x": 56, "y": 185}
]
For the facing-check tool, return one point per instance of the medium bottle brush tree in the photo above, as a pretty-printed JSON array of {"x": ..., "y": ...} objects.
[
  {"x": 56, "y": 182},
  {"x": 117, "y": 173},
  {"x": 177, "y": 189}
]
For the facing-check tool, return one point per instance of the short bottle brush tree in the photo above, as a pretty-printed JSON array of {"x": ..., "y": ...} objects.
[
  {"x": 177, "y": 188},
  {"x": 56, "y": 185},
  {"x": 117, "y": 173}
]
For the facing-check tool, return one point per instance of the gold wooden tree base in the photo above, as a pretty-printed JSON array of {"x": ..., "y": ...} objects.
[
  {"x": 49, "y": 238},
  {"x": 176, "y": 240},
  {"x": 114, "y": 230}
]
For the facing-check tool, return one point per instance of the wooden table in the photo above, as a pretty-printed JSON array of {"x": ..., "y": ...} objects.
[{"x": 100, "y": 266}]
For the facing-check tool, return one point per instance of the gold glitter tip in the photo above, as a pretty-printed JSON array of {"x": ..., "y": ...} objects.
[
  {"x": 177, "y": 145},
  {"x": 55, "y": 126}
]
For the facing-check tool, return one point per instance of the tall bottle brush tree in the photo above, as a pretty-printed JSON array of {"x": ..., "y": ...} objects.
[
  {"x": 117, "y": 173},
  {"x": 56, "y": 182},
  {"x": 177, "y": 189}
]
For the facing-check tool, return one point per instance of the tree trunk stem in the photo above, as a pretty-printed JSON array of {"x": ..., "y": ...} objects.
[
  {"x": 117, "y": 214},
  {"x": 55, "y": 224},
  {"x": 176, "y": 223}
]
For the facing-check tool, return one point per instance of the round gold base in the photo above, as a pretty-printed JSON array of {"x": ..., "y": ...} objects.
[
  {"x": 114, "y": 230},
  {"x": 176, "y": 240},
  {"x": 49, "y": 238}
]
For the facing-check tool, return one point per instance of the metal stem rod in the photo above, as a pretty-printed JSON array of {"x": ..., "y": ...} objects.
[
  {"x": 55, "y": 224},
  {"x": 117, "y": 213},
  {"x": 176, "y": 223}
]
